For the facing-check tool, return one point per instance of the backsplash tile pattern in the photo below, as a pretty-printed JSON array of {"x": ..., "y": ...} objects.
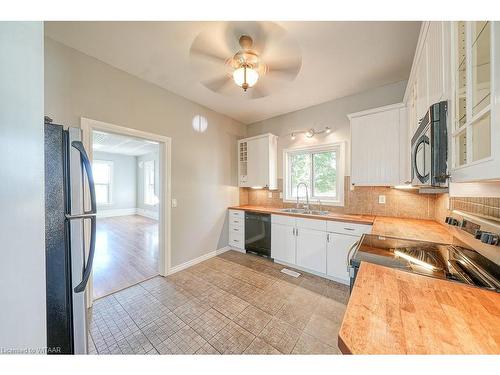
[
  {"x": 485, "y": 207},
  {"x": 360, "y": 200}
]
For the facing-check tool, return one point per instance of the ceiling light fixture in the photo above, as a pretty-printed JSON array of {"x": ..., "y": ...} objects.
[
  {"x": 245, "y": 76},
  {"x": 310, "y": 132}
]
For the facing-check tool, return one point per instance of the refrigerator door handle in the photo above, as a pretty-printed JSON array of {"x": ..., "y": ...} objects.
[
  {"x": 88, "y": 267},
  {"x": 87, "y": 215},
  {"x": 90, "y": 177}
]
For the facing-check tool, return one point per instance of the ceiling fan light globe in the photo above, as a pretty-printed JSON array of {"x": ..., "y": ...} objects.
[{"x": 245, "y": 77}]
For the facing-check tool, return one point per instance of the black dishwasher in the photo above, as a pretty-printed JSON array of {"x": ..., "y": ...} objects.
[{"x": 258, "y": 233}]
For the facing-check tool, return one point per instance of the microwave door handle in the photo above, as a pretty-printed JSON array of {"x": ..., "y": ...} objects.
[{"x": 91, "y": 215}]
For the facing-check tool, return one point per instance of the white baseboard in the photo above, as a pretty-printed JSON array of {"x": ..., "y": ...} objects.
[
  {"x": 237, "y": 249},
  {"x": 116, "y": 212},
  {"x": 148, "y": 213},
  {"x": 323, "y": 275},
  {"x": 194, "y": 261}
]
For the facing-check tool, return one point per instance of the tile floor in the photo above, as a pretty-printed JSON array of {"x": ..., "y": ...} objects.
[{"x": 231, "y": 304}]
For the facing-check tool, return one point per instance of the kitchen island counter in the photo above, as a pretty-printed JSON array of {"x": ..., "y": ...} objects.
[{"x": 391, "y": 311}]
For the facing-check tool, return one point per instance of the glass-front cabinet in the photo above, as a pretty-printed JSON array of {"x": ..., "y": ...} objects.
[{"x": 474, "y": 130}]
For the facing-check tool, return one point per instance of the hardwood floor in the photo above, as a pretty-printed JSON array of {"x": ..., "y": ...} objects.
[{"x": 126, "y": 252}]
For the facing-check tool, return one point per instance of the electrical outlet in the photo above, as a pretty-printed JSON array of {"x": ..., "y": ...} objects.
[
  {"x": 381, "y": 199},
  {"x": 174, "y": 202},
  {"x": 270, "y": 194}
]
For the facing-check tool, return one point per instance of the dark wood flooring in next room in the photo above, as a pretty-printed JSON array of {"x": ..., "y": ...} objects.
[{"x": 126, "y": 252}]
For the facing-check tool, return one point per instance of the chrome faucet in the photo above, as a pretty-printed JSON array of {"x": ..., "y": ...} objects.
[{"x": 307, "y": 195}]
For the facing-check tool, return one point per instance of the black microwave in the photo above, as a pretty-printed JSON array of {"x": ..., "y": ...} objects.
[{"x": 429, "y": 149}]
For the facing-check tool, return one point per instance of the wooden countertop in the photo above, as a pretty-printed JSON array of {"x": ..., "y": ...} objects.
[
  {"x": 396, "y": 312},
  {"x": 361, "y": 219},
  {"x": 413, "y": 229},
  {"x": 424, "y": 230}
]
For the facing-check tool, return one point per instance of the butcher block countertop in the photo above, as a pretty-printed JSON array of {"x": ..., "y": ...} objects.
[
  {"x": 412, "y": 229},
  {"x": 423, "y": 230},
  {"x": 361, "y": 219},
  {"x": 396, "y": 312}
]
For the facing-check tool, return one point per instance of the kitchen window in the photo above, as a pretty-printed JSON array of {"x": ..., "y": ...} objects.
[
  {"x": 103, "y": 179},
  {"x": 149, "y": 183},
  {"x": 320, "y": 168}
]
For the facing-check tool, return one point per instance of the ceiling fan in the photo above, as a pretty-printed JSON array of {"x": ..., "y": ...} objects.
[{"x": 236, "y": 57}]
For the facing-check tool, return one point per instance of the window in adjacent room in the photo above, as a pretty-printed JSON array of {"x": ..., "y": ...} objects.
[
  {"x": 149, "y": 183},
  {"x": 320, "y": 168},
  {"x": 103, "y": 178}
]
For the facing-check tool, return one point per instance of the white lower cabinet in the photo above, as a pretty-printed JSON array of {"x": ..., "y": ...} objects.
[
  {"x": 283, "y": 243},
  {"x": 338, "y": 246},
  {"x": 317, "y": 246},
  {"x": 237, "y": 229},
  {"x": 311, "y": 249}
]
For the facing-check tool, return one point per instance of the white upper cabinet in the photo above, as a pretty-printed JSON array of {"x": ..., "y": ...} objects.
[
  {"x": 257, "y": 161},
  {"x": 460, "y": 62},
  {"x": 421, "y": 84},
  {"x": 475, "y": 125},
  {"x": 429, "y": 78},
  {"x": 378, "y": 155},
  {"x": 435, "y": 64}
]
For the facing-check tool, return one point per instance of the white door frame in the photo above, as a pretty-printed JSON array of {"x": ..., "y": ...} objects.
[{"x": 164, "y": 232}]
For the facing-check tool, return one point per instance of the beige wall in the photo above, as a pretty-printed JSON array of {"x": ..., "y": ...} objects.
[
  {"x": 204, "y": 165},
  {"x": 333, "y": 114}
]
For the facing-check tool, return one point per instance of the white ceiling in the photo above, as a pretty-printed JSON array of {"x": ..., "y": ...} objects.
[
  {"x": 123, "y": 145},
  {"x": 338, "y": 59}
]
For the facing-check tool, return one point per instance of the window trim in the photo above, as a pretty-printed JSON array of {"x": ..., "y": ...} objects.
[
  {"x": 336, "y": 146},
  {"x": 110, "y": 163},
  {"x": 145, "y": 183}
]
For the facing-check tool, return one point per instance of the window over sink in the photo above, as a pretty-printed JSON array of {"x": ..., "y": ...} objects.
[{"x": 321, "y": 168}]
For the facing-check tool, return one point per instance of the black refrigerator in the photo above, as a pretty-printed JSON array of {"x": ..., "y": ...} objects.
[{"x": 69, "y": 250}]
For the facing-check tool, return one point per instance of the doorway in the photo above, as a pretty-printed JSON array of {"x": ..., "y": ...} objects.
[{"x": 132, "y": 182}]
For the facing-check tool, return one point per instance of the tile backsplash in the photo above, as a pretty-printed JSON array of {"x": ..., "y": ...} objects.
[
  {"x": 485, "y": 207},
  {"x": 360, "y": 200}
]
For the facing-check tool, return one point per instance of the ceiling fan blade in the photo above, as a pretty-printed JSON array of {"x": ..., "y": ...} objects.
[
  {"x": 287, "y": 69},
  {"x": 207, "y": 54},
  {"x": 217, "y": 84},
  {"x": 259, "y": 91}
]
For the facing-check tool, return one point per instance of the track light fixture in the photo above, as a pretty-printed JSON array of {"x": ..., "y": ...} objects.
[{"x": 309, "y": 133}]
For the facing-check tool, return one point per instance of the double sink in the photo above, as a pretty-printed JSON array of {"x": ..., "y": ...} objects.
[{"x": 303, "y": 211}]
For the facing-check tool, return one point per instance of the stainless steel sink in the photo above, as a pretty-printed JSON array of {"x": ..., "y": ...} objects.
[
  {"x": 294, "y": 210},
  {"x": 303, "y": 211}
]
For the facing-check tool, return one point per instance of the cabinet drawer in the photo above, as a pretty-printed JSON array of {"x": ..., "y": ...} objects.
[
  {"x": 311, "y": 224},
  {"x": 352, "y": 229},
  {"x": 237, "y": 240},
  {"x": 283, "y": 220},
  {"x": 237, "y": 214},
  {"x": 236, "y": 221},
  {"x": 237, "y": 230}
]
